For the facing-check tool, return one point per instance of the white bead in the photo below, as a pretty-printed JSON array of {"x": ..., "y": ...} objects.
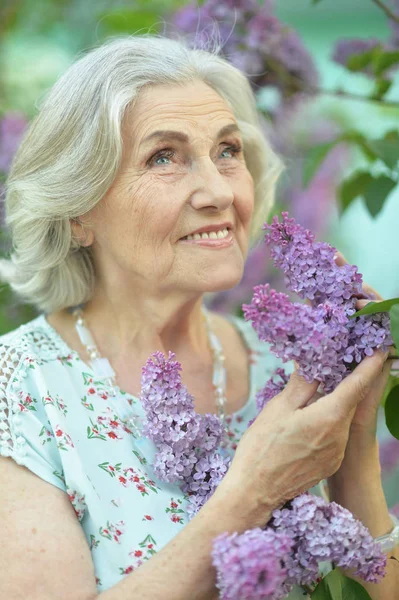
[{"x": 84, "y": 335}]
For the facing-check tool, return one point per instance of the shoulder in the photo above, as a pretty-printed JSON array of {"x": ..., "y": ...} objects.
[{"x": 31, "y": 342}]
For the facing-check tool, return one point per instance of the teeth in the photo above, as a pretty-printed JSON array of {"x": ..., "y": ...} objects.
[{"x": 213, "y": 235}]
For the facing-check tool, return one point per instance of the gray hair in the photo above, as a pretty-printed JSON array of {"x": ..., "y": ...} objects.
[{"x": 72, "y": 151}]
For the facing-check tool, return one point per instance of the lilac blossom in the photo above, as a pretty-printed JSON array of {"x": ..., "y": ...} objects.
[
  {"x": 12, "y": 128},
  {"x": 186, "y": 441},
  {"x": 345, "y": 49},
  {"x": 271, "y": 388},
  {"x": 323, "y": 531},
  {"x": 316, "y": 338},
  {"x": 324, "y": 341},
  {"x": 260, "y": 563},
  {"x": 309, "y": 266},
  {"x": 251, "y": 565},
  {"x": 266, "y": 563},
  {"x": 253, "y": 40}
]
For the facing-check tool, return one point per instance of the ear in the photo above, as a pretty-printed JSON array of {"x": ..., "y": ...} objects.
[{"x": 84, "y": 237}]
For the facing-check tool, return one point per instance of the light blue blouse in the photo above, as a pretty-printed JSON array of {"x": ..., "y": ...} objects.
[{"x": 57, "y": 420}]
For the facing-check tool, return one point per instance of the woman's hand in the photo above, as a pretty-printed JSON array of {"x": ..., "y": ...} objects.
[
  {"x": 364, "y": 422},
  {"x": 292, "y": 444}
]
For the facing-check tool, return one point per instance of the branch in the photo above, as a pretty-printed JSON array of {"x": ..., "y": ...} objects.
[
  {"x": 351, "y": 96},
  {"x": 387, "y": 10},
  {"x": 294, "y": 82}
]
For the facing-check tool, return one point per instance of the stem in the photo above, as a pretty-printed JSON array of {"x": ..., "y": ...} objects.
[
  {"x": 387, "y": 10},
  {"x": 297, "y": 83},
  {"x": 352, "y": 96},
  {"x": 307, "y": 589}
]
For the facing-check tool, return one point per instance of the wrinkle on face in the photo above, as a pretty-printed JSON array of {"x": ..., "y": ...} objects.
[{"x": 149, "y": 208}]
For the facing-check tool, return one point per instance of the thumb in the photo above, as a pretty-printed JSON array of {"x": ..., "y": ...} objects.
[{"x": 298, "y": 391}]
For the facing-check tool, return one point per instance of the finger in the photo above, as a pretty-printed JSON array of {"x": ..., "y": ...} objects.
[
  {"x": 354, "y": 388},
  {"x": 298, "y": 392},
  {"x": 340, "y": 259}
]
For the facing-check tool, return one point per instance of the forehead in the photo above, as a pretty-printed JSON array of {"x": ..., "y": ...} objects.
[{"x": 190, "y": 106}]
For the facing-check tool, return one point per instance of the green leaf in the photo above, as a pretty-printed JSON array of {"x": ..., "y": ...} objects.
[
  {"x": 382, "y": 86},
  {"x": 392, "y": 411},
  {"x": 394, "y": 316},
  {"x": 376, "y": 307},
  {"x": 314, "y": 159},
  {"x": 377, "y": 192},
  {"x": 129, "y": 21},
  {"x": 364, "y": 144},
  {"x": 387, "y": 148},
  {"x": 382, "y": 60},
  {"x": 358, "y": 62},
  {"x": 391, "y": 383},
  {"x": 353, "y": 187},
  {"x": 336, "y": 586}
]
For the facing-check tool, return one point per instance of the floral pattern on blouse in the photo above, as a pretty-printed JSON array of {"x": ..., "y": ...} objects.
[{"x": 65, "y": 426}]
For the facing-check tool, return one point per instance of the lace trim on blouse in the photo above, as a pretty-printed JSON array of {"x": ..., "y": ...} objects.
[{"x": 19, "y": 351}]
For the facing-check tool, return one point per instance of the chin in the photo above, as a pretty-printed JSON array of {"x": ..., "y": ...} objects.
[{"x": 221, "y": 282}]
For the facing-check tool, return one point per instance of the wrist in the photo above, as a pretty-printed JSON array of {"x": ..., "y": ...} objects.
[
  {"x": 361, "y": 451},
  {"x": 360, "y": 466},
  {"x": 244, "y": 505}
]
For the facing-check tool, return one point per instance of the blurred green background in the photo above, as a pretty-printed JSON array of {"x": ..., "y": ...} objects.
[{"x": 39, "y": 39}]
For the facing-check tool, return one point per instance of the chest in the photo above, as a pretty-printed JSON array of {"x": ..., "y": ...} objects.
[{"x": 198, "y": 380}]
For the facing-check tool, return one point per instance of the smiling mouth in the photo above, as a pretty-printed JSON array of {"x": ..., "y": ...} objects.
[{"x": 211, "y": 235}]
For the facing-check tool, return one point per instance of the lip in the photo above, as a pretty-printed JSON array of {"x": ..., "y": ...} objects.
[{"x": 210, "y": 228}]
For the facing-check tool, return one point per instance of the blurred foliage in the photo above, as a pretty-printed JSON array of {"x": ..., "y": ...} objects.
[{"x": 40, "y": 38}]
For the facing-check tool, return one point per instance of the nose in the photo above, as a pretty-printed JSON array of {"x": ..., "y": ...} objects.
[{"x": 210, "y": 188}]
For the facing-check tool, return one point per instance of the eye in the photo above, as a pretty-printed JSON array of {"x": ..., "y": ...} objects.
[
  {"x": 164, "y": 153},
  {"x": 233, "y": 149}
]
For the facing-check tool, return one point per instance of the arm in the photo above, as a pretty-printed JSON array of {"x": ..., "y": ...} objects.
[
  {"x": 357, "y": 486},
  {"x": 183, "y": 568},
  {"x": 44, "y": 553}
]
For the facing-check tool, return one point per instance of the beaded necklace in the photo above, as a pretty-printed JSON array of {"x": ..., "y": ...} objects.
[{"x": 103, "y": 370}]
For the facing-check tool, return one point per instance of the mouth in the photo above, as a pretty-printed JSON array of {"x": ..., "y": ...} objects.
[
  {"x": 223, "y": 238},
  {"x": 221, "y": 234}
]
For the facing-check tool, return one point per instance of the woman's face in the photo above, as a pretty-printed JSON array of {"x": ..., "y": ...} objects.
[{"x": 183, "y": 169}]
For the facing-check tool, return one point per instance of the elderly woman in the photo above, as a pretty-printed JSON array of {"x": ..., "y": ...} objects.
[{"x": 137, "y": 189}]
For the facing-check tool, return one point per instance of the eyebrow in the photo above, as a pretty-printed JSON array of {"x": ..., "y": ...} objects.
[{"x": 182, "y": 137}]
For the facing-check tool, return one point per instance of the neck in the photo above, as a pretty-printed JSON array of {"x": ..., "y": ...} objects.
[{"x": 134, "y": 328}]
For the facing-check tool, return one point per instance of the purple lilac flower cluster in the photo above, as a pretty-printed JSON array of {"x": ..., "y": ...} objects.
[
  {"x": 253, "y": 40},
  {"x": 265, "y": 564},
  {"x": 271, "y": 389},
  {"x": 260, "y": 563},
  {"x": 324, "y": 531},
  {"x": 186, "y": 440},
  {"x": 345, "y": 49},
  {"x": 320, "y": 337},
  {"x": 252, "y": 565}
]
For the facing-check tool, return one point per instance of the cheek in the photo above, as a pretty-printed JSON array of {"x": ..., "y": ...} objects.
[{"x": 245, "y": 199}]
